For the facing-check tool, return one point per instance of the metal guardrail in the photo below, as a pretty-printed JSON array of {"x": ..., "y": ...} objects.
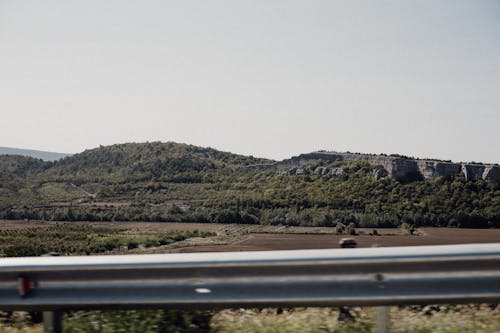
[{"x": 369, "y": 276}]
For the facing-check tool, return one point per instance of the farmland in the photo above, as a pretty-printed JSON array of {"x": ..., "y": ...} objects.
[{"x": 161, "y": 237}]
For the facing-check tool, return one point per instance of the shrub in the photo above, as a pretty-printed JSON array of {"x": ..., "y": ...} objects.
[
  {"x": 351, "y": 229},
  {"x": 132, "y": 244}
]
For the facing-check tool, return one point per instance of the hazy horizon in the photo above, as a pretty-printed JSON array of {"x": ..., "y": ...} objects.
[{"x": 271, "y": 79}]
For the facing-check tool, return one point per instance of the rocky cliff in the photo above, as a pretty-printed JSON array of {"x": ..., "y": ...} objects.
[{"x": 400, "y": 168}]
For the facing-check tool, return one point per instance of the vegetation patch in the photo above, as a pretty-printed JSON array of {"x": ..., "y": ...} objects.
[{"x": 68, "y": 239}]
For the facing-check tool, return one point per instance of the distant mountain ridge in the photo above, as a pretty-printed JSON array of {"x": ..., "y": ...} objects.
[{"x": 44, "y": 155}]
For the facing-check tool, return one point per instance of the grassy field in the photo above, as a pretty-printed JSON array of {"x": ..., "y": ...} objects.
[
  {"x": 429, "y": 319},
  {"x": 27, "y": 239}
]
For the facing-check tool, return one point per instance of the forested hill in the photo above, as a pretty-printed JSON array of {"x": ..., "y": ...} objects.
[
  {"x": 154, "y": 161},
  {"x": 178, "y": 182}
]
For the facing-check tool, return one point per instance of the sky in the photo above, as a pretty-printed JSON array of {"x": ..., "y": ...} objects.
[{"x": 265, "y": 78}]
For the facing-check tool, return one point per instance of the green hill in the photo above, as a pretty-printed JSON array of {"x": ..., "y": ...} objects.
[
  {"x": 154, "y": 161},
  {"x": 178, "y": 182}
]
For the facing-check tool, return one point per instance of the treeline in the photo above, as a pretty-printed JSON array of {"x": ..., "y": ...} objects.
[{"x": 267, "y": 216}]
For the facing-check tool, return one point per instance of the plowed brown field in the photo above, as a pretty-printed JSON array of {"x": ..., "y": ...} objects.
[
  {"x": 233, "y": 237},
  {"x": 389, "y": 237}
]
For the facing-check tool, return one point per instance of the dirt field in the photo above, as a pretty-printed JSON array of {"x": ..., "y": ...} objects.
[
  {"x": 428, "y": 236},
  {"x": 233, "y": 237}
]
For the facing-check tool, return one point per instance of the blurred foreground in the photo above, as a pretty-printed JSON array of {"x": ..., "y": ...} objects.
[{"x": 419, "y": 319}]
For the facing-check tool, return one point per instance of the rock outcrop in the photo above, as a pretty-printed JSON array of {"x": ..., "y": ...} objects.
[
  {"x": 433, "y": 169},
  {"x": 321, "y": 171},
  {"x": 379, "y": 173},
  {"x": 400, "y": 168},
  {"x": 491, "y": 174},
  {"x": 404, "y": 170},
  {"x": 473, "y": 171},
  {"x": 338, "y": 171}
]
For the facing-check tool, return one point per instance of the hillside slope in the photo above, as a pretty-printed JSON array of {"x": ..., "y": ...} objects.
[{"x": 177, "y": 182}]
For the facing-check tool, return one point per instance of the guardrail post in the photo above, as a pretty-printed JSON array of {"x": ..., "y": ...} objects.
[
  {"x": 52, "y": 322},
  {"x": 383, "y": 320}
]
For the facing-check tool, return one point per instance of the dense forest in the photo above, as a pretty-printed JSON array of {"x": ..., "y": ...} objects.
[{"x": 178, "y": 182}]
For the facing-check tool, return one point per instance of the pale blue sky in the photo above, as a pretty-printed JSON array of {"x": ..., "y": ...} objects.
[{"x": 268, "y": 78}]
